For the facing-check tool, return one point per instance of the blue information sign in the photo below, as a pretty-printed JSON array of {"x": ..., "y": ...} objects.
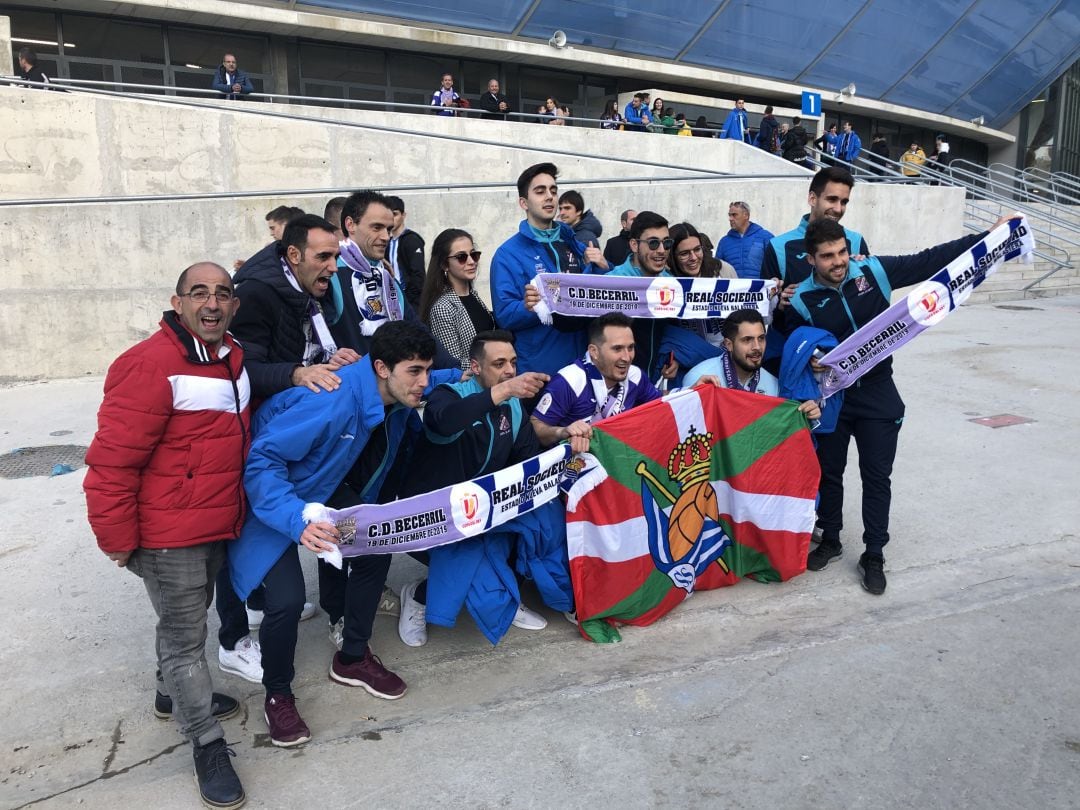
[{"x": 811, "y": 103}]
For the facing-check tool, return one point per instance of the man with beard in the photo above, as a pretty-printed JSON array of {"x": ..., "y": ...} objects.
[
  {"x": 617, "y": 247},
  {"x": 739, "y": 365},
  {"x": 650, "y": 243},
  {"x": 603, "y": 383},
  {"x": 840, "y": 297}
]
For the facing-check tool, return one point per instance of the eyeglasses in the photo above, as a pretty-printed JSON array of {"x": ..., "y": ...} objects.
[
  {"x": 655, "y": 243},
  {"x": 694, "y": 251},
  {"x": 463, "y": 257},
  {"x": 202, "y": 295}
]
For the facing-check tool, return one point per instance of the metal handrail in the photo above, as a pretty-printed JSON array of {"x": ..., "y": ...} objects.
[
  {"x": 464, "y": 112},
  {"x": 402, "y": 187},
  {"x": 397, "y": 130}
]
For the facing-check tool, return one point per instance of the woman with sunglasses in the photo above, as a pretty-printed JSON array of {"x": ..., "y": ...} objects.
[{"x": 448, "y": 303}]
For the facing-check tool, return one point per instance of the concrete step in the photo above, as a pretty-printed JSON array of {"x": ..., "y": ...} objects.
[{"x": 991, "y": 296}]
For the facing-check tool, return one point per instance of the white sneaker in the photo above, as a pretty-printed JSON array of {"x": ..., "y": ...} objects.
[
  {"x": 529, "y": 619},
  {"x": 571, "y": 616},
  {"x": 337, "y": 633},
  {"x": 388, "y": 603},
  {"x": 255, "y": 617},
  {"x": 244, "y": 660},
  {"x": 412, "y": 625}
]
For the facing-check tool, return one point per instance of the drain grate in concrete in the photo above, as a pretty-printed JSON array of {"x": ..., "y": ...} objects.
[
  {"x": 26, "y": 462},
  {"x": 1019, "y": 308}
]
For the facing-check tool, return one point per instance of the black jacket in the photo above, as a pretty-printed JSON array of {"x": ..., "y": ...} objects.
[
  {"x": 617, "y": 249},
  {"x": 270, "y": 321},
  {"x": 482, "y": 434},
  {"x": 411, "y": 265},
  {"x": 490, "y": 105},
  {"x": 866, "y": 292},
  {"x": 793, "y": 146}
]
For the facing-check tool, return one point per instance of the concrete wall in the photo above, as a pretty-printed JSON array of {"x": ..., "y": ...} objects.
[
  {"x": 82, "y": 282},
  {"x": 75, "y": 144}
]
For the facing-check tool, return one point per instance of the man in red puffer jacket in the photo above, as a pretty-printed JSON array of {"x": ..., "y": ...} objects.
[{"x": 165, "y": 491}]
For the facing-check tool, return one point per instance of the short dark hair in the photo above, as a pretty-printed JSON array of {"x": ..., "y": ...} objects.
[
  {"x": 476, "y": 348},
  {"x": 832, "y": 174},
  {"x": 625, "y": 215},
  {"x": 332, "y": 212},
  {"x": 526, "y": 177},
  {"x": 768, "y": 109},
  {"x": 730, "y": 327},
  {"x": 574, "y": 198},
  {"x": 296, "y": 232},
  {"x": 644, "y": 221},
  {"x": 28, "y": 54},
  {"x": 795, "y": 121},
  {"x": 395, "y": 203},
  {"x": 356, "y": 204},
  {"x": 401, "y": 340},
  {"x": 598, "y": 325},
  {"x": 821, "y": 231},
  {"x": 284, "y": 213}
]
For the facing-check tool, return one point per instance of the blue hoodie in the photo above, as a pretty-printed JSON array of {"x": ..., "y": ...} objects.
[
  {"x": 797, "y": 379},
  {"x": 305, "y": 443},
  {"x": 515, "y": 264},
  {"x": 745, "y": 251}
]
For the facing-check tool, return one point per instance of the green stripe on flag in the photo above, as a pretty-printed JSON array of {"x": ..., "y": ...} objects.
[
  {"x": 730, "y": 456},
  {"x": 651, "y": 592}
]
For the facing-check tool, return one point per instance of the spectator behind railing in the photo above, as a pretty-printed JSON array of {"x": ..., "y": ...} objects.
[
  {"x": 612, "y": 118},
  {"x": 29, "y": 67},
  {"x": 701, "y": 128},
  {"x": 494, "y": 104},
  {"x": 636, "y": 115},
  {"x": 230, "y": 81},
  {"x": 446, "y": 98}
]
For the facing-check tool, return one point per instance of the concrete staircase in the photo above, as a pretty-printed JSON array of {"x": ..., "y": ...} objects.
[{"x": 1009, "y": 283}]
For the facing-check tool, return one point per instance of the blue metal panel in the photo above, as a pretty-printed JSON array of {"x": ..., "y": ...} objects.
[
  {"x": 1051, "y": 47},
  {"x": 486, "y": 15},
  {"x": 633, "y": 27},
  {"x": 774, "y": 38},
  {"x": 883, "y": 45},
  {"x": 986, "y": 34}
]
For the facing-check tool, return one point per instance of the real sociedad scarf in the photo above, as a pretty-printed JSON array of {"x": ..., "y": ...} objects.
[
  {"x": 658, "y": 297},
  {"x": 446, "y": 515},
  {"x": 924, "y": 306},
  {"x": 731, "y": 376},
  {"x": 319, "y": 330},
  {"x": 373, "y": 288}
]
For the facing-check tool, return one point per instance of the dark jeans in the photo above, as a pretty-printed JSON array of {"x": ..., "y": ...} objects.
[
  {"x": 180, "y": 584},
  {"x": 232, "y": 611},
  {"x": 332, "y": 587},
  {"x": 285, "y": 599},
  {"x": 872, "y": 414}
]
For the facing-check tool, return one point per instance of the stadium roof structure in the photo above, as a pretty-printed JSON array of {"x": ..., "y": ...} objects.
[{"x": 958, "y": 58}]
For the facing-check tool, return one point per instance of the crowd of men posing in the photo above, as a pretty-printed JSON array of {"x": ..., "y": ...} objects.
[{"x": 295, "y": 383}]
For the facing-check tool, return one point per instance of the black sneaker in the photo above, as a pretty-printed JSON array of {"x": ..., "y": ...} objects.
[
  {"x": 872, "y": 569},
  {"x": 219, "y": 786},
  {"x": 824, "y": 554},
  {"x": 222, "y": 706}
]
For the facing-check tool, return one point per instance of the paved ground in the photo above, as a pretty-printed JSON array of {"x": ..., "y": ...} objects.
[{"x": 955, "y": 689}]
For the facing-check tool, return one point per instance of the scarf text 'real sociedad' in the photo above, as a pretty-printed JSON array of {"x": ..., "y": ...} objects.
[
  {"x": 453, "y": 513},
  {"x": 924, "y": 306},
  {"x": 658, "y": 297}
]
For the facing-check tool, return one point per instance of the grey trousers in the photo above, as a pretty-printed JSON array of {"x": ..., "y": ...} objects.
[{"x": 180, "y": 583}]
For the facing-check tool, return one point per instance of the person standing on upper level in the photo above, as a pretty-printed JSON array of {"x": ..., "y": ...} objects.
[
  {"x": 736, "y": 127},
  {"x": 230, "y": 81}
]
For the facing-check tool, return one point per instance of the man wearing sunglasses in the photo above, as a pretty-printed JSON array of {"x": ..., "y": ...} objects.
[
  {"x": 650, "y": 244},
  {"x": 164, "y": 492}
]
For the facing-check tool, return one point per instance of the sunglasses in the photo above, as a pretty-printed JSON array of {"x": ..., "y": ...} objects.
[
  {"x": 655, "y": 243},
  {"x": 463, "y": 257}
]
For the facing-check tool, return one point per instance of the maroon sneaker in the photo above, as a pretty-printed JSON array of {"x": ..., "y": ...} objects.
[
  {"x": 369, "y": 674},
  {"x": 287, "y": 727}
]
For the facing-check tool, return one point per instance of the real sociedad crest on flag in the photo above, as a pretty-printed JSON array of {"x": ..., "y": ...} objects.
[{"x": 687, "y": 537}]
